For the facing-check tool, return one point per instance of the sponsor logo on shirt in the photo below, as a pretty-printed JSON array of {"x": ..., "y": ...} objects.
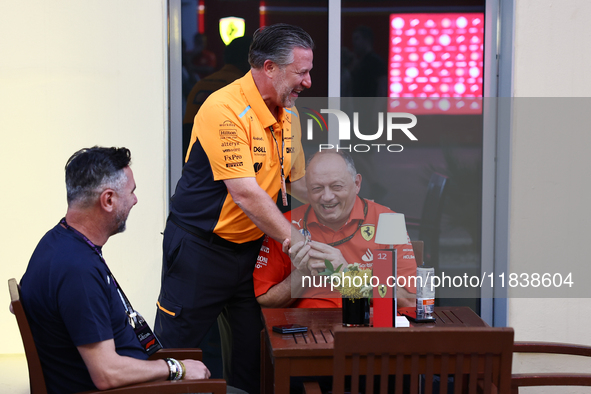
[
  {"x": 261, "y": 261},
  {"x": 265, "y": 249},
  {"x": 257, "y": 167},
  {"x": 288, "y": 138},
  {"x": 258, "y": 138},
  {"x": 259, "y": 149},
  {"x": 230, "y": 165},
  {"x": 290, "y": 150},
  {"x": 228, "y": 123},
  {"x": 228, "y": 133},
  {"x": 232, "y": 157},
  {"x": 229, "y": 144},
  {"x": 298, "y": 222},
  {"x": 232, "y": 150},
  {"x": 368, "y": 256}
]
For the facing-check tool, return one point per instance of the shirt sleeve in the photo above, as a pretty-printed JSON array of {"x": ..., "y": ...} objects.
[
  {"x": 272, "y": 266},
  {"x": 225, "y": 140},
  {"x": 83, "y": 299},
  {"x": 298, "y": 162},
  {"x": 407, "y": 265}
]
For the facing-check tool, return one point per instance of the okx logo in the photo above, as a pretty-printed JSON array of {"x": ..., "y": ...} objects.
[{"x": 392, "y": 122}]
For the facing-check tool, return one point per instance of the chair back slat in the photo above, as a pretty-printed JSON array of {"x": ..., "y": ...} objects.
[
  {"x": 473, "y": 373},
  {"x": 399, "y": 372},
  {"x": 459, "y": 374},
  {"x": 488, "y": 372},
  {"x": 429, "y": 374},
  {"x": 385, "y": 361},
  {"x": 443, "y": 373},
  {"x": 355, "y": 374},
  {"x": 369, "y": 374},
  {"x": 36, "y": 378},
  {"x": 476, "y": 356}
]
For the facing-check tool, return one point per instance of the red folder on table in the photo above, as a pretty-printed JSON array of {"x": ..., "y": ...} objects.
[{"x": 384, "y": 295}]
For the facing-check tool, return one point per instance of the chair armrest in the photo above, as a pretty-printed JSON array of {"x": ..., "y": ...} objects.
[
  {"x": 550, "y": 379},
  {"x": 552, "y": 348},
  {"x": 215, "y": 386},
  {"x": 312, "y": 388},
  {"x": 179, "y": 354}
]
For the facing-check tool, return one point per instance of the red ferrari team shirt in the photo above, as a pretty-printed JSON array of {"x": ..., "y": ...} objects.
[{"x": 273, "y": 266}]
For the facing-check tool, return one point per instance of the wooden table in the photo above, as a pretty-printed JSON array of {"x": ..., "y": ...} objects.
[{"x": 311, "y": 353}]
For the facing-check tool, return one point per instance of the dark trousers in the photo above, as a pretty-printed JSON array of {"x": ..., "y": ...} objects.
[{"x": 200, "y": 280}]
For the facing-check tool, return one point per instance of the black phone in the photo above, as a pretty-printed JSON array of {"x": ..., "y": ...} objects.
[{"x": 290, "y": 328}]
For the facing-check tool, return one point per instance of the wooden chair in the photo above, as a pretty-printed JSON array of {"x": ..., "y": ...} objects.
[
  {"x": 550, "y": 379},
  {"x": 478, "y": 358},
  {"x": 417, "y": 247},
  {"x": 429, "y": 225},
  {"x": 37, "y": 380}
]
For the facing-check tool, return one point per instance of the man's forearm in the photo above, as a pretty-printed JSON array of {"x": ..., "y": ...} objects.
[
  {"x": 261, "y": 209},
  {"x": 284, "y": 293}
]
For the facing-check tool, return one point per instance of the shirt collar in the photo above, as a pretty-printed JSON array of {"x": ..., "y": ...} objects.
[
  {"x": 356, "y": 213},
  {"x": 256, "y": 102}
]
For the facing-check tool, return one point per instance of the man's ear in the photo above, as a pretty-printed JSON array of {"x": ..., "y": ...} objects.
[
  {"x": 106, "y": 200},
  {"x": 358, "y": 182},
  {"x": 269, "y": 67}
]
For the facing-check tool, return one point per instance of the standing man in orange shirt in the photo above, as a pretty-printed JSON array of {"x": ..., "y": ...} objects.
[{"x": 245, "y": 146}]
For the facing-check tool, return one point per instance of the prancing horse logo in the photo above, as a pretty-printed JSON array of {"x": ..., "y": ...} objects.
[{"x": 368, "y": 231}]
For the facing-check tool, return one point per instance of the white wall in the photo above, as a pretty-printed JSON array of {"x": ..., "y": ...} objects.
[
  {"x": 550, "y": 188},
  {"x": 75, "y": 74}
]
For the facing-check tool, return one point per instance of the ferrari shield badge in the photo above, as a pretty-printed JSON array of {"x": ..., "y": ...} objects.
[{"x": 368, "y": 231}]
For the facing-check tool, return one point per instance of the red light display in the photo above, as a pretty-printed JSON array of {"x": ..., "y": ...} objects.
[{"x": 436, "y": 63}]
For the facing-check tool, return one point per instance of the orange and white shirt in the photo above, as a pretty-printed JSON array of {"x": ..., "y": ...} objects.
[{"x": 235, "y": 136}]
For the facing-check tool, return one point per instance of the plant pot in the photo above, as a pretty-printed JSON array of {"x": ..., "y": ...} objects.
[{"x": 355, "y": 312}]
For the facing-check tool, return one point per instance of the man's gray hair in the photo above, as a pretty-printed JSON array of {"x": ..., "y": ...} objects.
[
  {"x": 346, "y": 157},
  {"x": 276, "y": 43},
  {"x": 90, "y": 171}
]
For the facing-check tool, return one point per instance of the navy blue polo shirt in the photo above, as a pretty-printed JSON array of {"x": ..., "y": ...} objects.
[{"x": 71, "y": 300}]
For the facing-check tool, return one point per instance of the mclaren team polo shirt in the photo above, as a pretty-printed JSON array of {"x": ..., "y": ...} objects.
[
  {"x": 273, "y": 265},
  {"x": 235, "y": 136}
]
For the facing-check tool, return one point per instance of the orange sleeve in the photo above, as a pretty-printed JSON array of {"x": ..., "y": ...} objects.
[
  {"x": 225, "y": 140},
  {"x": 272, "y": 266}
]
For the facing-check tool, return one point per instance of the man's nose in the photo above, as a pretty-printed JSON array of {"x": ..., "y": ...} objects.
[
  {"x": 327, "y": 195},
  {"x": 307, "y": 82}
]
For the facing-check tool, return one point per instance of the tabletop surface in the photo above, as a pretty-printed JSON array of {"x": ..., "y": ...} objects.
[{"x": 322, "y": 322}]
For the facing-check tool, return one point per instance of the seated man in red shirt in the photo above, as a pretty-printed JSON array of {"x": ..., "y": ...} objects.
[{"x": 342, "y": 227}]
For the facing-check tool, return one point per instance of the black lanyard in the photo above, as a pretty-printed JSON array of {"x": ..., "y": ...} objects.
[
  {"x": 126, "y": 304},
  {"x": 283, "y": 188},
  {"x": 342, "y": 241}
]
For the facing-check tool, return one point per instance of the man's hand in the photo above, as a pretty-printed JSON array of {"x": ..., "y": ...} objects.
[
  {"x": 299, "y": 256},
  {"x": 320, "y": 252},
  {"x": 195, "y": 370}
]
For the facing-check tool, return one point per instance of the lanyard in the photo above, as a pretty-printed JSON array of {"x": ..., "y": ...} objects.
[
  {"x": 283, "y": 188},
  {"x": 342, "y": 241},
  {"x": 126, "y": 304}
]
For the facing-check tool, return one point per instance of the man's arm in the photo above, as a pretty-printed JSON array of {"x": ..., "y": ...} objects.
[
  {"x": 259, "y": 208},
  {"x": 109, "y": 370},
  {"x": 280, "y": 295},
  {"x": 405, "y": 298}
]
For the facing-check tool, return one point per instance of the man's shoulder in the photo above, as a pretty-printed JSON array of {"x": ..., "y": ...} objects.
[
  {"x": 373, "y": 206},
  {"x": 59, "y": 250}
]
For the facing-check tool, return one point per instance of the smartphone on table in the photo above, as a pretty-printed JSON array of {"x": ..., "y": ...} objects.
[{"x": 290, "y": 328}]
